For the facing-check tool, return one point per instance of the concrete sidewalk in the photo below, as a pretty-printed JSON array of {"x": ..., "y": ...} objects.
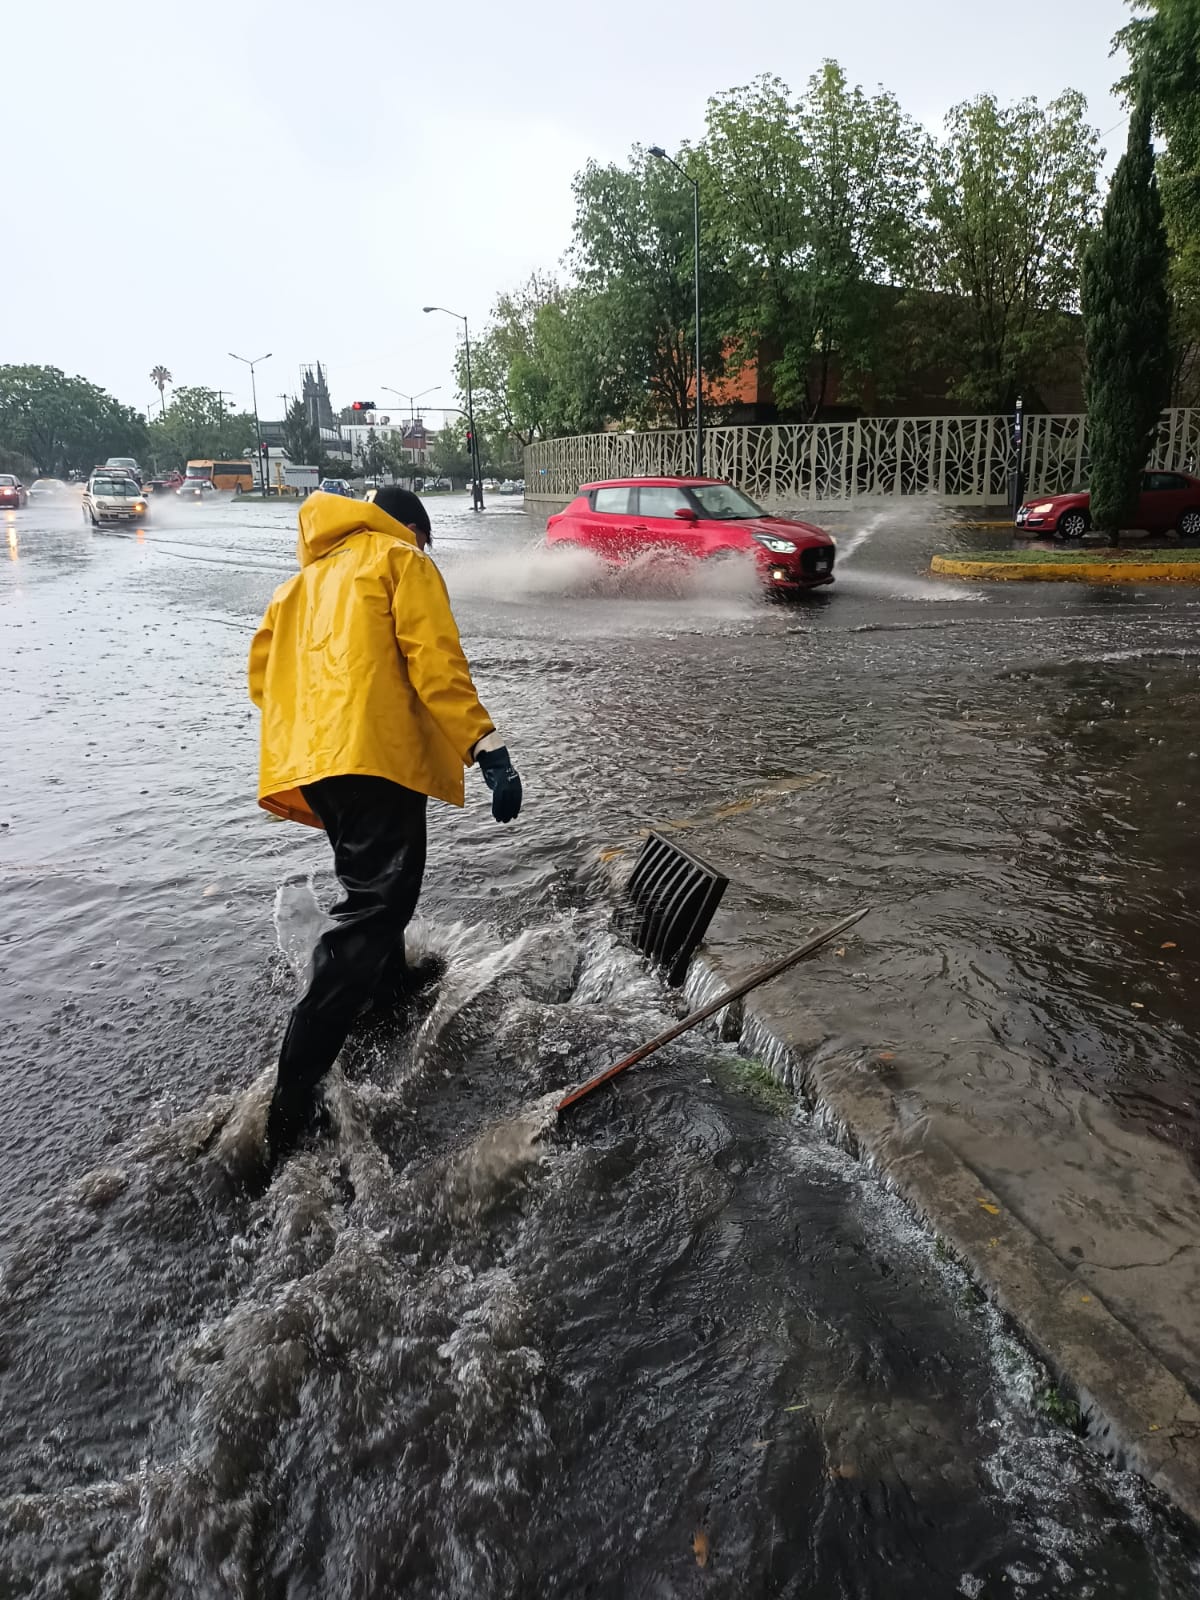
[{"x": 1085, "y": 1230}]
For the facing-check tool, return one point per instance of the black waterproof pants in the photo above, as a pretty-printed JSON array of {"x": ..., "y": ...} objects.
[{"x": 377, "y": 830}]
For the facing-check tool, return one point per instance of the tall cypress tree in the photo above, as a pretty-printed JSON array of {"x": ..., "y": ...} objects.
[{"x": 1126, "y": 316}]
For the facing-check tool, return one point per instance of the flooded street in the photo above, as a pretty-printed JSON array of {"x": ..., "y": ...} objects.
[{"x": 679, "y": 1344}]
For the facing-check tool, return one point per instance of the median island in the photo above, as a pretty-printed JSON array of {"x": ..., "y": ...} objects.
[{"x": 1100, "y": 564}]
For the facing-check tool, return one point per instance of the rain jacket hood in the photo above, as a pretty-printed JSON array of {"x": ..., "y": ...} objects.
[
  {"x": 328, "y": 519},
  {"x": 357, "y": 665}
]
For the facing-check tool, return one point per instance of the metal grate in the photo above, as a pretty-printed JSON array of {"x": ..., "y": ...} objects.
[{"x": 670, "y": 901}]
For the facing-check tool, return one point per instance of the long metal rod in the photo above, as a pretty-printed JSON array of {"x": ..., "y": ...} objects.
[
  {"x": 699, "y": 362},
  {"x": 763, "y": 975}
]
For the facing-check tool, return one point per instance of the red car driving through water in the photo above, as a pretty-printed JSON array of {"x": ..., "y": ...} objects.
[{"x": 623, "y": 518}]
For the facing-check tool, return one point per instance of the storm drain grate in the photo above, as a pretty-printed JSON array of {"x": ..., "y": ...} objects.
[{"x": 670, "y": 901}]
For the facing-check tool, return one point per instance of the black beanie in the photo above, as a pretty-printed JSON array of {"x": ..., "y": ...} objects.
[{"x": 404, "y": 506}]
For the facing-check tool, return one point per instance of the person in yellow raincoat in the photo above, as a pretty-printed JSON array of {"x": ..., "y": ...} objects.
[{"x": 368, "y": 709}]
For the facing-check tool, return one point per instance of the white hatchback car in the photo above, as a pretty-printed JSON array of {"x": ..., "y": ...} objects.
[{"x": 111, "y": 497}]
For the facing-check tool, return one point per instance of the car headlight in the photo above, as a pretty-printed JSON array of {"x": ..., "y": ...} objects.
[
  {"x": 139, "y": 505},
  {"x": 777, "y": 546},
  {"x": 1042, "y": 510}
]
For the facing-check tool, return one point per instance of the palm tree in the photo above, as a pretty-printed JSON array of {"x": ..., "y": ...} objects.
[{"x": 162, "y": 378}]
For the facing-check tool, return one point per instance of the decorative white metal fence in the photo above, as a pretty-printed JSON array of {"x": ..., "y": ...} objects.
[{"x": 959, "y": 460}]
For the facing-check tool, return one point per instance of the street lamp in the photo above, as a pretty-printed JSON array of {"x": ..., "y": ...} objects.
[
  {"x": 258, "y": 440},
  {"x": 411, "y": 398},
  {"x": 476, "y": 479},
  {"x": 661, "y": 154}
]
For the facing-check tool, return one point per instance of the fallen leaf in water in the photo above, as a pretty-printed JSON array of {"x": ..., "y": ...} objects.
[
  {"x": 843, "y": 1470},
  {"x": 886, "y": 1055},
  {"x": 1085, "y": 1299},
  {"x": 840, "y": 952},
  {"x": 1137, "y": 1005},
  {"x": 761, "y": 1444},
  {"x": 992, "y": 1211},
  {"x": 803, "y": 1406},
  {"x": 700, "y": 1547},
  {"x": 1170, "y": 945}
]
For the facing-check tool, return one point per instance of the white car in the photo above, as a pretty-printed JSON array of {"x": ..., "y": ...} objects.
[{"x": 112, "y": 497}]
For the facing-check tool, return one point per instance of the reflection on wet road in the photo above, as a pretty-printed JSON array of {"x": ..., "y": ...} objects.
[{"x": 680, "y": 1342}]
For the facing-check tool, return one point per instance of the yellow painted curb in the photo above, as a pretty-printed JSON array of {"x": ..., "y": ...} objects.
[{"x": 1069, "y": 572}]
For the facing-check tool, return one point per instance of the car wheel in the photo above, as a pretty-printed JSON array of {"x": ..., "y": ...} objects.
[
  {"x": 1189, "y": 524},
  {"x": 1072, "y": 525}
]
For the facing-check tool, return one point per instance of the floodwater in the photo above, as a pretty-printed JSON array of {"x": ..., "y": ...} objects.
[{"x": 678, "y": 1344}]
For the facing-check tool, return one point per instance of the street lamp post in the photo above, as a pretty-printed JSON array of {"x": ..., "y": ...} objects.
[
  {"x": 476, "y": 477},
  {"x": 411, "y": 398},
  {"x": 412, "y": 405},
  {"x": 263, "y": 462},
  {"x": 657, "y": 150}
]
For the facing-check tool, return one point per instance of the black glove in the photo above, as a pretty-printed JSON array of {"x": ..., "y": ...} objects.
[{"x": 501, "y": 778}]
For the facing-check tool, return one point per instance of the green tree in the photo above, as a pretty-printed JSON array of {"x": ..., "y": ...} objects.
[
  {"x": 512, "y": 381},
  {"x": 160, "y": 378},
  {"x": 632, "y": 252},
  {"x": 198, "y": 426},
  {"x": 1012, "y": 202},
  {"x": 301, "y": 438},
  {"x": 818, "y": 200},
  {"x": 64, "y": 424},
  {"x": 449, "y": 451},
  {"x": 1163, "y": 42},
  {"x": 1127, "y": 321}
]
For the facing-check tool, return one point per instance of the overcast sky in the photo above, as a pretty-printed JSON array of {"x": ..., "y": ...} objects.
[{"x": 187, "y": 179}]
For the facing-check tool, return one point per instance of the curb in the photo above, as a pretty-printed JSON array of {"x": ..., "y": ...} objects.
[
  {"x": 1118, "y": 571},
  {"x": 1136, "y": 1410}
]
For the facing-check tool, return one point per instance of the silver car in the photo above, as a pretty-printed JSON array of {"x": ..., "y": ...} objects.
[{"x": 112, "y": 497}]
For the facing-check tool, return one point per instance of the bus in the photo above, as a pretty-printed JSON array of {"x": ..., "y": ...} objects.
[{"x": 237, "y": 476}]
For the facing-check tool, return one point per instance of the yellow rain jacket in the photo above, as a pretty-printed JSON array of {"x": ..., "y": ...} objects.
[{"x": 357, "y": 666}]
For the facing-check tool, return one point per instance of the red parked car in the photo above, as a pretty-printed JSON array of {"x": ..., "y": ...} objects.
[
  {"x": 1168, "y": 500},
  {"x": 692, "y": 517}
]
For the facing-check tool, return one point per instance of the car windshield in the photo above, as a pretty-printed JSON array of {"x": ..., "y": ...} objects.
[
  {"x": 721, "y": 502},
  {"x": 6, "y": 482},
  {"x": 118, "y": 488}
]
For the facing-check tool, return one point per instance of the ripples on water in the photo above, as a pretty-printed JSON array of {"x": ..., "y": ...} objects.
[{"x": 457, "y": 1351}]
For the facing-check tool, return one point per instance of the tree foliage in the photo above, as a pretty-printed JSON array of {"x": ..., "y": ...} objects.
[
  {"x": 1127, "y": 322},
  {"x": 842, "y": 247},
  {"x": 197, "y": 426},
  {"x": 633, "y": 255},
  {"x": 301, "y": 437},
  {"x": 1163, "y": 42},
  {"x": 1012, "y": 199},
  {"x": 449, "y": 453},
  {"x": 63, "y": 424},
  {"x": 818, "y": 205}
]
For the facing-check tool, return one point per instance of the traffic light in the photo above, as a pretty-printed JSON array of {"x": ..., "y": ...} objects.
[
  {"x": 470, "y": 442},
  {"x": 263, "y": 447},
  {"x": 363, "y": 405}
]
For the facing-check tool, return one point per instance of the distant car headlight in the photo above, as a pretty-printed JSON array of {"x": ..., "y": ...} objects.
[
  {"x": 777, "y": 546},
  {"x": 1042, "y": 510}
]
